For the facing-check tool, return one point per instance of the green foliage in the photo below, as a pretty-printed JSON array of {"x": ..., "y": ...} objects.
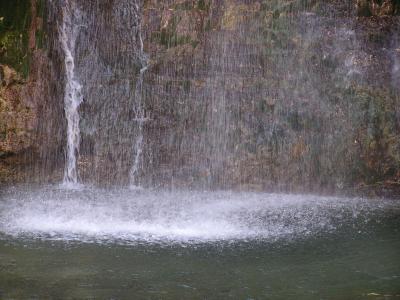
[{"x": 15, "y": 17}]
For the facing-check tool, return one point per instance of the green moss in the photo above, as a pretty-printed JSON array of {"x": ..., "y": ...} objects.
[
  {"x": 203, "y": 5},
  {"x": 167, "y": 36},
  {"x": 208, "y": 25},
  {"x": 187, "y": 5},
  {"x": 15, "y": 17},
  {"x": 377, "y": 37},
  {"x": 40, "y": 34},
  {"x": 40, "y": 8},
  {"x": 3, "y": 135},
  {"x": 171, "y": 39},
  {"x": 186, "y": 86},
  {"x": 294, "y": 121},
  {"x": 190, "y": 4},
  {"x": 374, "y": 121},
  {"x": 194, "y": 43}
]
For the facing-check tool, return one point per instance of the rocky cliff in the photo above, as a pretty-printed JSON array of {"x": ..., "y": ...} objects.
[
  {"x": 281, "y": 95},
  {"x": 31, "y": 123},
  {"x": 17, "y": 112}
]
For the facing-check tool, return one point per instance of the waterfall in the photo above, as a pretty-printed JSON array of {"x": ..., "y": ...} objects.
[
  {"x": 73, "y": 96},
  {"x": 140, "y": 117}
]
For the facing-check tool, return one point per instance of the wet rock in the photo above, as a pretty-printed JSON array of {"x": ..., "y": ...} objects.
[
  {"x": 265, "y": 95},
  {"x": 278, "y": 109},
  {"x": 28, "y": 94}
]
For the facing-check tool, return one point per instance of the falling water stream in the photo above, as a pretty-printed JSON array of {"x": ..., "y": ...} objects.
[
  {"x": 138, "y": 108},
  {"x": 72, "y": 94}
]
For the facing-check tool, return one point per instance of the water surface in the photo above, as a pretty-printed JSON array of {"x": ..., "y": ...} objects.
[{"x": 141, "y": 244}]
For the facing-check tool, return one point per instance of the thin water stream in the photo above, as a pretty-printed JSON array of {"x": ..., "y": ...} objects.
[
  {"x": 140, "y": 117},
  {"x": 73, "y": 97}
]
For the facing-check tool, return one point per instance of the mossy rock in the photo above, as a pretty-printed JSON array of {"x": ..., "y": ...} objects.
[
  {"x": 378, "y": 137},
  {"x": 15, "y": 18}
]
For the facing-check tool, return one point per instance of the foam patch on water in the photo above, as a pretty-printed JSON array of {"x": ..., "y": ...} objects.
[{"x": 130, "y": 216}]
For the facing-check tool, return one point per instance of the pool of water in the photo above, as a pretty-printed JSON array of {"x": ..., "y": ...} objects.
[{"x": 144, "y": 244}]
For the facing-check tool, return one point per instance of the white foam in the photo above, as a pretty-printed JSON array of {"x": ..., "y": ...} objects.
[{"x": 148, "y": 216}]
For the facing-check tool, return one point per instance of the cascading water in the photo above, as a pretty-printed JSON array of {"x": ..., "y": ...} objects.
[
  {"x": 140, "y": 117},
  {"x": 73, "y": 96}
]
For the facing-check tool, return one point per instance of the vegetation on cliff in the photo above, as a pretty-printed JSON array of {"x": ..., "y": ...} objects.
[{"x": 21, "y": 34}]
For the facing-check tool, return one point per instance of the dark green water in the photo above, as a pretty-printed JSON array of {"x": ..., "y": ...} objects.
[
  {"x": 350, "y": 266},
  {"x": 356, "y": 257}
]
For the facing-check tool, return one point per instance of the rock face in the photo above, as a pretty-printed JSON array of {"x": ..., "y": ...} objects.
[
  {"x": 17, "y": 118},
  {"x": 30, "y": 124},
  {"x": 284, "y": 95},
  {"x": 269, "y": 95},
  {"x": 17, "y": 115}
]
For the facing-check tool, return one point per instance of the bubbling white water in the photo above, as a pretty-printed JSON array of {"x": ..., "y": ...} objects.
[{"x": 126, "y": 216}]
